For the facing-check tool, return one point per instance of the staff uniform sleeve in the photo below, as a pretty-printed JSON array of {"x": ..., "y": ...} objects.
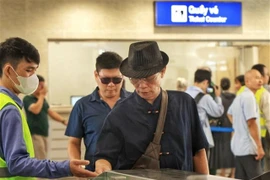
[{"x": 15, "y": 154}]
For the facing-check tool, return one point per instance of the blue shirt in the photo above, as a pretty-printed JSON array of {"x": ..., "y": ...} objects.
[
  {"x": 86, "y": 120},
  {"x": 130, "y": 127},
  {"x": 13, "y": 148},
  {"x": 244, "y": 108}
]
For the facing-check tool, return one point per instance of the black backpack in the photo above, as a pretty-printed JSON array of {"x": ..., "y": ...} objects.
[{"x": 212, "y": 120}]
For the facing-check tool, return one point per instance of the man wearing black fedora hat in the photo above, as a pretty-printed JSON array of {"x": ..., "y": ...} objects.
[{"x": 131, "y": 125}]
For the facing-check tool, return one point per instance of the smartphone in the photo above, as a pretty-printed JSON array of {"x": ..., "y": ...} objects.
[
  {"x": 210, "y": 90},
  {"x": 213, "y": 85}
]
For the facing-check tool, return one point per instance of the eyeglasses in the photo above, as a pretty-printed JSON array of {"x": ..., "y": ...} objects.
[
  {"x": 149, "y": 79},
  {"x": 108, "y": 80}
]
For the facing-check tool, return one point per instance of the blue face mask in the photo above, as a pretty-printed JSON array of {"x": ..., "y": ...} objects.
[{"x": 27, "y": 85}]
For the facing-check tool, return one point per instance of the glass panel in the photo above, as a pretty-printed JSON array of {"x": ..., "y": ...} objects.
[
  {"x": 72, "y": 63},
  {"x": 147, "y": 174}
]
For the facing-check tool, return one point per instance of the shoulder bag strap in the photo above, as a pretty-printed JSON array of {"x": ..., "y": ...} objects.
[
  {"x": 198, "y": 97},
  {"x": 161, "y": 118}
]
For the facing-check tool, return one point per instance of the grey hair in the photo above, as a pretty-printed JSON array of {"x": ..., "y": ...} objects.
[{"x": 181, "y": 84}]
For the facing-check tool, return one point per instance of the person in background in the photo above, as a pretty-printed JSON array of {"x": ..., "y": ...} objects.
[
  {"x": 239, "y": 83},
  {"x": 246, "y": 141},
  {"x": 37, "y": 110},
  {"x": 211, "y": 87},
  {"x": 207, "y": 106},
  {"x": 19, "y": 61},
  {"x": 181, "y": 84},
  {"x": 263, "y": 99},
  {"x": 88, "y": 114},
  {"x": 131, "y": 125},
  {"x": 221, "y": 156}
]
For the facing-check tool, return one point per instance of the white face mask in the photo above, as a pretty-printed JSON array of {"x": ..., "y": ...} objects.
[{"x": 28, "y": 85}]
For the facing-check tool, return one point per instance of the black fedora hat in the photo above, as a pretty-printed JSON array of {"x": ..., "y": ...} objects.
[{"x": 144, "y": 59}]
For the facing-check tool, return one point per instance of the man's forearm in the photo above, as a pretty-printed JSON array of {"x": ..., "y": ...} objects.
[
  {"x": 254, "y": 132},
  {"x": 230, "y": 118},
  {"x": 200, "y": 162},
  {"x": 36, "y": 107},
  {"x": 74, "y": 152}
]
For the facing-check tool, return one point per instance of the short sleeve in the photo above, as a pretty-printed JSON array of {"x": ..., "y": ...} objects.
[
  {"x": 27, "y": 101},
  {"x": 75, "y": 126},
  {"x": 46, "y": 105},
  {"x": 249, "y": 107}
]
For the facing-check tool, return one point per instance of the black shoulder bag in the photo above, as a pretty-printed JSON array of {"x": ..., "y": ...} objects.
[{"x": 212, "y": 121}]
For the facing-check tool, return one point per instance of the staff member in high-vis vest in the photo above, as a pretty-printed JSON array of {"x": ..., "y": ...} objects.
[
  {"x": 239, "y": 84},
  {"x": 18, "y": 63},
  {"x": 263, "y": 100}
]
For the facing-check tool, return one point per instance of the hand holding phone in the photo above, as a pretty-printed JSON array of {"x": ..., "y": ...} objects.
[
  {"x": 43, "y": 91},
  {"x": 217, "y": 91},
  {"x": 209, "y": 90}
]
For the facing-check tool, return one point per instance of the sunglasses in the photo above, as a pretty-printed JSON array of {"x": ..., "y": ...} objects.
[
  {"x": 150, "y": 79},
  {"x": 107, "y": 80}
]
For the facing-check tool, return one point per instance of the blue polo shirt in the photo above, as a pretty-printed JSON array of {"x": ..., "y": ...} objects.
[
  {"x": 86, "y": 120},
  {"x": 13, "y": 148},
  {"x": 130, "y": 127}
]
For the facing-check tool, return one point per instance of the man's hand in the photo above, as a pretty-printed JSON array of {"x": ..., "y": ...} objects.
[
  {"x": 217, "y": 91},
  {"x": 77, "y": 169},
  {"x": 102, "y": 165},
  {"x": 260, "y": 153},
  {"x": 43, "y": 91}
]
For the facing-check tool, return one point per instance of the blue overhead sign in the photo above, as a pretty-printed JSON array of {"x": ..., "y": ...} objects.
[{"x": 198, "y": 13}]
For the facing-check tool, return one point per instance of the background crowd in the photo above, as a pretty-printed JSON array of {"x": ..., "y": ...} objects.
[{"x": 206, "y": 127}]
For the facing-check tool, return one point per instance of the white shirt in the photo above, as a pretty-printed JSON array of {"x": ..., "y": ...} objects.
[{"x": 244, "y": 108}]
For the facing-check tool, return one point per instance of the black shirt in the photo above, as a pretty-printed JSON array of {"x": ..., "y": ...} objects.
[{"x": 130, "y": 127}]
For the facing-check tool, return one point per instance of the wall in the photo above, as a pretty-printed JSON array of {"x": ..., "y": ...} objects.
[
  {"x": 40, "y": 20},
  {"x": 264, "y": 55},
  {"x": 73, "y": 64}
]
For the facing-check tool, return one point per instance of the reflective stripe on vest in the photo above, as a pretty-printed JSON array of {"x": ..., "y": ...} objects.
[
  {"x": 5, "y": 100},
  {"x": 258, "y": 96}
]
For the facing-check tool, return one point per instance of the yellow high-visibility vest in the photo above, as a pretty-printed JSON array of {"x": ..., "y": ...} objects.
[
  {"x": 240, "y": 90},
  {"x": 258, "y": 96},
  {"x": 4, "y": 100}
]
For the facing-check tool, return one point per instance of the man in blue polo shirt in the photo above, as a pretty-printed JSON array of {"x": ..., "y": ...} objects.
[
  {"x": 246, "y": 142},
  {"x": 88, "y": 114},
  {"x": 131, "y": 125}
]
